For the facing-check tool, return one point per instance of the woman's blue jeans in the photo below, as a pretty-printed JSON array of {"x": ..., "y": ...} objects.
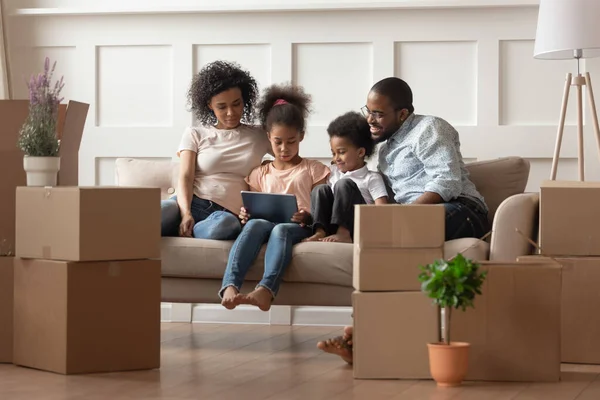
[
  {"x": 212, "y": 220},
  {"x": 280, "y": 239}
]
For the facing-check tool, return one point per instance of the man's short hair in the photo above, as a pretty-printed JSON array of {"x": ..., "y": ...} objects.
[{"x": 397, "y": 91}]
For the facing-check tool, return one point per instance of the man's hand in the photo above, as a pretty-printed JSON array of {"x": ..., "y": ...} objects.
[
  {"x": 302, "y": 217},
  {"x": 186, "y": 226},
  {"x": 244, "y": 216}
]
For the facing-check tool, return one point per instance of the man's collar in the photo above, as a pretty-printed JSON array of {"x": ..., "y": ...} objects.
[{"x": 404, "y": 128}]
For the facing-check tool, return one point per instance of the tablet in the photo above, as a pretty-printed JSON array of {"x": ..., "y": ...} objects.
[{"x": 274, "y": 207}]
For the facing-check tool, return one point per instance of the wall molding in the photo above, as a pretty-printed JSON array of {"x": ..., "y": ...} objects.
[{"x": 177, "y": 7}]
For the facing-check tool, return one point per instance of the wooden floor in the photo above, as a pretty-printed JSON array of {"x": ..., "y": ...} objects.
[{"x": 202, "y": 361}]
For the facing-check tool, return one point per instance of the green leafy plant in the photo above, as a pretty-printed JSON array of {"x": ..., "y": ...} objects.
[
  {"x": 37, "y": 137},
  {"x": 452, "y": 284}
]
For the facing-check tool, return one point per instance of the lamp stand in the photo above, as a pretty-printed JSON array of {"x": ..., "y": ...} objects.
[{"x": 578, "y": 81}]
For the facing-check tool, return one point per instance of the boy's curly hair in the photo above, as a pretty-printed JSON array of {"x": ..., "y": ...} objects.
[
  {"x": 354, "y": 127},
  {"x": 293, "y": 111},
  {"x": 218, "y": 77}
]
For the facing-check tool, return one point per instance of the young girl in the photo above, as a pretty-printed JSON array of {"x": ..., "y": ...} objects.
[
  {"x": 216, "y": 155},
  {"x": 282, "y": 112},
  {"x": 350, "y": 183}
]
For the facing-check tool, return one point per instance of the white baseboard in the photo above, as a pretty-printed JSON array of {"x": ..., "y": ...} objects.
[
  {"x": 279, "y": 315},
  {"x": 175, "y": 312}
]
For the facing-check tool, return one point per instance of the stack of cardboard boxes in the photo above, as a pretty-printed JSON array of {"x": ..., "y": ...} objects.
[
  {"x": 514, "y": 329},
  {"x": 87, "y": 279},
  {"x": 569, "y": 235},
  {"x": 393, "y": 319},
  {"x": 13, "y": 114}
]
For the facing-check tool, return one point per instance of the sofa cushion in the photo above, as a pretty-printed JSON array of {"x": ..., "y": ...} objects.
[
  {"x": 499, "y": 179},
  {"x": 147, "y": 173},
  {"x": 328, "y": 263}
]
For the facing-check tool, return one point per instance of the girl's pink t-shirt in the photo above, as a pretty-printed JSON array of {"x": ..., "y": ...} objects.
[{"x": 298, "y": 180}]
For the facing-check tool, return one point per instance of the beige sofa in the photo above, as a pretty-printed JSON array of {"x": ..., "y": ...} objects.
[{"x": 321, "y": 273}]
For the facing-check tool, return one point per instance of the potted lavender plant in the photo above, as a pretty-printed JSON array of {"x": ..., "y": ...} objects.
[{"x": 37, "y": 137}]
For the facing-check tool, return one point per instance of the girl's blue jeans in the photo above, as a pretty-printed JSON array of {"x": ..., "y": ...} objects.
[
  {"x": 212, "y": 221},
  {"x": 280, "y": 239}
]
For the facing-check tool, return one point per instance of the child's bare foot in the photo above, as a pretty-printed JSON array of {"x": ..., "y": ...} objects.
[
  {"x": 319, "y": 234},
  {"x": 340, "y": 346},
  {"x": 230, "y": 298},
  {"x": 259, "y": 297},
  {"x": 342, "y": 235}
]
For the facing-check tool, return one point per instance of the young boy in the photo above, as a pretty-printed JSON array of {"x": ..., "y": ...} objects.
[{"x": 350, "y": 182}]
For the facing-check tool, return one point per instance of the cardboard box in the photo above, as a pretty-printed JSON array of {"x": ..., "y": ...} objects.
[
  {"x": 88, "y": 224},
  {"x": 6, "y": 309},
  {"x": 580, "y": 301},
  {"x": 13, "y": 114},
  {"x": 399, "y": 226},
  {"x": 87, "y": 317},
  {"x": 569, "y": 218},
  {"x": 391, "y": 332},
  {"x": 391, "y": 269},
  {"x": 514, "y": 329}
]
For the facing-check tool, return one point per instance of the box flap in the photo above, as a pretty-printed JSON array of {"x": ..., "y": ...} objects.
[
  {"x": 75, "y": 117},
  {"x": 13, "y": 114}
]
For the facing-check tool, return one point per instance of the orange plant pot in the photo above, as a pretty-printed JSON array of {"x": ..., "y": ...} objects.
[{"x": 448, "y": 364}]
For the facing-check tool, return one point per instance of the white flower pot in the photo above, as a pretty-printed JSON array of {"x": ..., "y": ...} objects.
[{"x": 41, "y": 171}]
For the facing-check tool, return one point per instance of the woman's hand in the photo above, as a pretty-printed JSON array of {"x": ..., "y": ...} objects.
[
  {"x": 244, "y": 216},
  {"x": 302, "y": 217},
  {"x": 186, "y": 226}
]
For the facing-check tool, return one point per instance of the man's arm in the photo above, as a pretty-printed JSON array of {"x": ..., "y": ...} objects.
[
  {"x": 437, "y": 150},
  {"x": 429, "y": 198}
]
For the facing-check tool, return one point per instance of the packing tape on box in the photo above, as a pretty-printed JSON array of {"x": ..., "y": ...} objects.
[
  {"x": 47, "y": 252},
  {"x": 114, "y": 269}
]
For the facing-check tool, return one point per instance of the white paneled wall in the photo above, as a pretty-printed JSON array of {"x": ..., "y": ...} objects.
[
  {"x": 469, "y": 62},
  {"x": 472, "y": 66}
]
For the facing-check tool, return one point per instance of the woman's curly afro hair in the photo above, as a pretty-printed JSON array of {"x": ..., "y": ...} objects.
[
  {"x": 218, "y": 77},
  {"x": 355, "y": 128},
  {"x": 292, "y": 112}
]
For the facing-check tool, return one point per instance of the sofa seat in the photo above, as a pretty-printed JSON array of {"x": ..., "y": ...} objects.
[{"x": 325, "y": 263}]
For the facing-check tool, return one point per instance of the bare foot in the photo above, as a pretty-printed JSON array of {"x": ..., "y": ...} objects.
[
  {"x": 340, "y": 346},
  {"x": 319, "y": 234},
  {"x": 342, "y": 235},
  {"x": 230, "y": 298},
  {"x": 259, "y": 297}
]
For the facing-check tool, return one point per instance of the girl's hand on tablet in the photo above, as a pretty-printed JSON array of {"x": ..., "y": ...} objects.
[{"x": 244, "y": 216}]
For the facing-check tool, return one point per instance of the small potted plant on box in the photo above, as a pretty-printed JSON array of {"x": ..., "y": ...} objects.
[
  {"x": 37, "y": 137},
  {"x": 452, "y": 284}
]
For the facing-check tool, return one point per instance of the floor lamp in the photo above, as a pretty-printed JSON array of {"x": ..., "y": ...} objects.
[{"x": 570, "y": 29}]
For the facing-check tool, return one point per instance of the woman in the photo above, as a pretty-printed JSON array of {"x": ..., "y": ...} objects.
[{"x": 216, "y": 155}]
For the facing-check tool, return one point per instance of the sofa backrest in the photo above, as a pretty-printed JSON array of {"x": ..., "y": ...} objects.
[
  {"x": 496, "y": 179},
  {"x": 499, "y": 179}
]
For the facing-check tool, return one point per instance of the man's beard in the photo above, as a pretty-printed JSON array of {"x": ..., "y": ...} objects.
[{"x": 384, "y": 135}]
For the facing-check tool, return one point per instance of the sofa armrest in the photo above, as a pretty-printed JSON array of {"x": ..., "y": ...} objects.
[{"x": 520, "y": 211}]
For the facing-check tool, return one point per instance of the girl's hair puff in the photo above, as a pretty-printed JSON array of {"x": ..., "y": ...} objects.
[{"x": 285, "y": 105}]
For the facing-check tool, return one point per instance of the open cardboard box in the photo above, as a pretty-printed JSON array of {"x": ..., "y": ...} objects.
[{"x": 13, "y": 114}]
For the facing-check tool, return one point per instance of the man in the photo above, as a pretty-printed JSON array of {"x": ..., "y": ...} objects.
[{"x": 421, "y": 163}]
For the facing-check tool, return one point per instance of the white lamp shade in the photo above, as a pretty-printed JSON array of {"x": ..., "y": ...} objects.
[{"x": 565, "y": 26}]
